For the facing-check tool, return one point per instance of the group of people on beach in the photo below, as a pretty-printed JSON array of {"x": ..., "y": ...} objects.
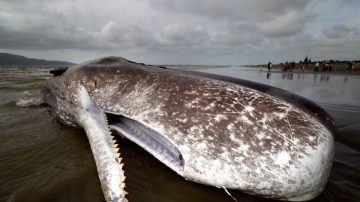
[
  {"x": 290, "y": 66},
  {"x": 350, "y": 66},
  {"x": 323, "y": 66}
]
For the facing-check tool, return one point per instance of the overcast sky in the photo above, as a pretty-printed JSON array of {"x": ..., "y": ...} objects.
[{"x": 182, "y": 31}]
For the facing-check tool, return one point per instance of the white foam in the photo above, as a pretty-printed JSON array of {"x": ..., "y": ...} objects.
[{"x": 29, "y": 101}]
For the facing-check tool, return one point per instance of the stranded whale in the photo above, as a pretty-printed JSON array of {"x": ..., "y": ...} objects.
[{"x": 209, "y": 129}]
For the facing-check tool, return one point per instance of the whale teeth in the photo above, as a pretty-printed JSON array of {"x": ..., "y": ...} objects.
[
  {"x": 123, "y": 194},
  {"x": 118, "y": 159}
]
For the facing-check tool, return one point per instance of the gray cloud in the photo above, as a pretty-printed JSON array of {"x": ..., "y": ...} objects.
[
  {"x": 339, "y": 31},
  {"x": 288, "y": 24},
  {"x": 162, "y": 31},
  {"x": 239, "y": 34},
  {"x": 114, "y": 35},
  {"x": 276, "y": 7},
  {"x": 183, "y": 34},
  {"x": 208, "y": 8},
  {"x": 44, "y": 29}
]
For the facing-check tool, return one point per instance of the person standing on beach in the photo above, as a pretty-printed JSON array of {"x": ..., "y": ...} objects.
[
  {"x": 331, "y": 63},
  {"x": 349, "y": 66},
  {"x": 317, "y": 67},
  {"x": 269, "y": 65},
  {"x": 301, "y": 66}
]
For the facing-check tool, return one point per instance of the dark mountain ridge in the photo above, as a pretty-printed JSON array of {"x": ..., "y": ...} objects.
[{"x": 10, "y": 59}]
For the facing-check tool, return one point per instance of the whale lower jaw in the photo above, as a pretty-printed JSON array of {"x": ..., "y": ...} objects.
[
  {"x": 167, "y": 153},
  {"x": 153, "y": 142}
]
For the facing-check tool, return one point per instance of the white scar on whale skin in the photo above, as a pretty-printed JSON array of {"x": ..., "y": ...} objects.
[{"x": 216, "y": 132}]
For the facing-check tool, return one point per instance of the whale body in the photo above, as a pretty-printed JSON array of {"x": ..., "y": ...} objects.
[{"x": 212, "y": 130}]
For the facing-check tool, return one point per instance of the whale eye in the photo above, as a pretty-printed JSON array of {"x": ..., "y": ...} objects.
[
  {"x": 58, "y": 71},
  {"x": 91, "y": 84}
]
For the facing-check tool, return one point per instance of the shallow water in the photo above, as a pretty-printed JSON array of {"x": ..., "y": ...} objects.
[{"x": 43, "y": 160}]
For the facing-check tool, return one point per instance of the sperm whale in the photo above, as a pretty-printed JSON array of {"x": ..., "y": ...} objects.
[{"x": 209, "y": 129}]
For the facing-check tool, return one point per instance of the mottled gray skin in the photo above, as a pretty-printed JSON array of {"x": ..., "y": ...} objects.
[{"x": 229, "y": 136}]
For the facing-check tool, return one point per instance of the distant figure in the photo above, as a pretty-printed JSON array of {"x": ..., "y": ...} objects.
[
  {"x": 326, "y": 66},
  {"x": 349, "y": 66},
  {"x": 331, "y": 65},
  {"x": 292, "y": 65},
  {"x": 306, "y": 62},
  {"x": 286, "y": 66},
  {"x": 269, "y": 66},
  {"x": 301, "y": 66},
  {"x": 317, "y": 67},
  {"x": 323, "y": 65},
  {"x": 353, "y": 66}
]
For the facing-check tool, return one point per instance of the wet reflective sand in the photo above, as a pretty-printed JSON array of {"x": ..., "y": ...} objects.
[{"x": 42, "y": 160}]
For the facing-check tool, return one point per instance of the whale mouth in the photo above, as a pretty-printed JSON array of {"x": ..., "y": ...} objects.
[{"x": 153, "y": 142}]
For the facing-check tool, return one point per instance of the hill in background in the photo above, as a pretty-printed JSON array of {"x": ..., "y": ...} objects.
[{"x": 10, "y": 59}]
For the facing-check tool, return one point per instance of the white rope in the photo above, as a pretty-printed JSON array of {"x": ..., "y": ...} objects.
[{"x": 229, "y": 193}]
